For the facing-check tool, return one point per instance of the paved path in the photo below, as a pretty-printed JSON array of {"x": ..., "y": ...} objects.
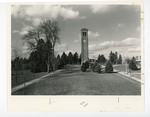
[{"x": 71, "y": 81}]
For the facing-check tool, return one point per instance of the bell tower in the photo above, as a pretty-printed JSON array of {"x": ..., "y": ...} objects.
[{"x": 84, "y": 45}]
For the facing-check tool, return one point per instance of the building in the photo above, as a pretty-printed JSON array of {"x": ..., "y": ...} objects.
[
  {"x": 84, "y": 45},
  {"x": 138, "y": 61},
  {"x": 92, "y": 60},
  {"x": 138, "y": 58}
]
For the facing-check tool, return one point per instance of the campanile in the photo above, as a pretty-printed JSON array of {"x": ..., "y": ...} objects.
[{"x": 84, "y": 45}]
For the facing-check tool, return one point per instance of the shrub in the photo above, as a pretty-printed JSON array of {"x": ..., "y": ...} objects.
[
  {"x": 109, "y": 67},
  {"x": 87, "y": 64},
  {"x": 96, "y": 67},
  {"x": 83, "y": 67},
  {"x": 132, "y": 65}
]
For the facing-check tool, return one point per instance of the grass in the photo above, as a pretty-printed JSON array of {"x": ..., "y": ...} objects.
[
  {"x": 71, "y": 81},
  {"x": 19, "y": 77}
]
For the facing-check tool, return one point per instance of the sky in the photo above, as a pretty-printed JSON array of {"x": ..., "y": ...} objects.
[{"x": 110, "y": 27}]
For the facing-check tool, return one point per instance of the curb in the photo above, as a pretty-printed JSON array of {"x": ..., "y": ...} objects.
[{"x": 127, "y": 75}]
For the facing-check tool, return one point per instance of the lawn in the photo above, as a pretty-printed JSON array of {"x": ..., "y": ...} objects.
[
  {"x": 22, "y": 75},
  {"x": 71, "y": 81}
]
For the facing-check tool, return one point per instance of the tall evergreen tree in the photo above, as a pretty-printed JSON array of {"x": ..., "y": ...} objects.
[
  {"x": 64, "y": 58},
  {"x": 58, "y": 63},
  {"x": 109, "y": 67},
  {"x": 103, "y": 59},
  {"x": 75, "y": 58},
  {"x": 111, "y": 57},
  {"x": 120, "y": 59},
  {"x": 116, "y": 57},
  {"x": 133, "y": 58},
  {"x": 99, "y": 59},
  {"x": 132, "y": 65},
  {"x": 70, "y": 58}
]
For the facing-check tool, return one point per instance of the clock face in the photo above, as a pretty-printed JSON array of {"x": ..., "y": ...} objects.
[{"x": 84, "y": 40}]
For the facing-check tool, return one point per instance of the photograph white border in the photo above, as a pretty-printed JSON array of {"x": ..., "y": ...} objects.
[{"x": 147, "y": 96}]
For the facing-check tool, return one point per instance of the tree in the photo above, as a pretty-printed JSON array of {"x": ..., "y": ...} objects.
[
  {"x": 64, "y": 59},
  {"x": 51, "y": 30},
  {"x": 33, "y": 60},
  {"x": 111, "y": 57},
  {"x": 32, "y": 37},
  {"x": 57, "y": 63},
  {"x": 87, "y": 64},
  {"x": 132, "y": 65},
  {"x": 75, "y": 58},
  {"x": 127, "y": 60},
  {"x": 109, "y": 67},
  {"x": 120, "y": 59},
  {"x": 60, "y": 62},
  {"x": 17, "y": 66},
  {"x": 16, "y": 62},
  {"x": 133, "y": 58},
  {"x": 116, "y": 57},
  {"x": 101, "y": 59},
  {"x": 50, "y": 58},
  {"x": 96, "y": 67},
  {"x": 83, "y": 67},
  {"x": 70, "y": 58}
]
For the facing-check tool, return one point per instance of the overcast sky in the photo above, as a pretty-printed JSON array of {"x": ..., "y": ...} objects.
[{"x": 111, "y": 27}]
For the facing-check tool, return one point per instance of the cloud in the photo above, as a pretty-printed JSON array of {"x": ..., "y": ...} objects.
[
  {"x": 36, "y": 21},
  {"x": 25, "y": 29},
  {"x": 17, "y": 11},
  {"x": 68, "y": 13},
  {"x": 15, "y": 31},
  {"x": 59, "y": 48},
  {"x": 93, "y": 35},
  {"x": 25, "y": 48},
  {"x": 67, "y": 52},
  {"x": 76, "y": 41},
  {"x": 126, "y": 47},
  {"x": 138, "y": 29},
  {"x": 15, "y": 52},
  {"x": 91, "y": 46},
  {"x": 35, "y": 13},
  {"x": 100, "y": 8},
  {"x": 120, "y": 25}
]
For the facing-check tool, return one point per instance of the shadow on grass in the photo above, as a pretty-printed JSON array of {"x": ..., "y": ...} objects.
[
  {"x": 64, "y": 92},
  {"x": 102, "y": 72},
  {"x": 60, "y": 76},
  {"x": 112, "y": 72}
]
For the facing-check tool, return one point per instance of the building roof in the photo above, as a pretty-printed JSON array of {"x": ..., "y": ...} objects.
[{"x": 84, "y": 29}]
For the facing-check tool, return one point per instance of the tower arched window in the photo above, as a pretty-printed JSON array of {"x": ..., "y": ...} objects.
[{"x": 84, "y": 33}]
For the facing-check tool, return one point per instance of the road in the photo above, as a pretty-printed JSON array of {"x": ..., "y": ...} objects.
[{"x": 71, "y": 81}]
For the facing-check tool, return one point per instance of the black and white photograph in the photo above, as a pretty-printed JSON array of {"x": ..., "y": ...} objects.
[{"x": 76, "y": 49}]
